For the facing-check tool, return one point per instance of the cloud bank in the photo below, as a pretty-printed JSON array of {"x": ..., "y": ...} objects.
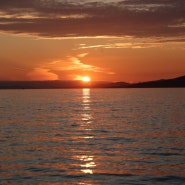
[{"x": 58, "y": 18}]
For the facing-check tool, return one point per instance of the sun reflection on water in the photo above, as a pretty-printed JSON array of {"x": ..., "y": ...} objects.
[
  {"x": 86, "y": 101},
  {"x": 87, "y": 164},
  {"x": 87, "y": 160},
  {"x": 86, "y": 98}
]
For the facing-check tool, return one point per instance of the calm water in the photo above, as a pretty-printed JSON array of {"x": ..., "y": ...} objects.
[{"x": 92, "y": 137}]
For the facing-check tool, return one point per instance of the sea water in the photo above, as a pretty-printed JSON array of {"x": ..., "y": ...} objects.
[{"x": 92, "y": 136}]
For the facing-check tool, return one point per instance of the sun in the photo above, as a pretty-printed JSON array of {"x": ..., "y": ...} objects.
[{"x": 86, "y": 79}]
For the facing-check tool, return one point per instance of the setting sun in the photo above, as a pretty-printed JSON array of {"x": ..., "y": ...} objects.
[{"x": 86, "y": 79}]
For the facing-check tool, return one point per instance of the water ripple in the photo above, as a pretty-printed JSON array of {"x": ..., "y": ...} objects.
[{"x": 92, "y": 137}]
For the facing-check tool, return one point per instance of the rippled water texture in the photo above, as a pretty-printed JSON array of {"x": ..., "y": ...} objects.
[{"x": 92, "y": 136}]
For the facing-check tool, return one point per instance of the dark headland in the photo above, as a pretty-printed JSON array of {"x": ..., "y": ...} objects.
[{"x": 57, "y": 84}]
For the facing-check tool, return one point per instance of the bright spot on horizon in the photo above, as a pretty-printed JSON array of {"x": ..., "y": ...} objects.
[{"x": 86, "y": 79}]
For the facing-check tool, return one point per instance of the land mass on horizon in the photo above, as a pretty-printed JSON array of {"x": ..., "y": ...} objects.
[{"x": 57, "y": 84}]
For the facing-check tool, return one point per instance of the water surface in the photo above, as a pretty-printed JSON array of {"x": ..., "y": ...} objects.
[{"x": 92, "y": 136}]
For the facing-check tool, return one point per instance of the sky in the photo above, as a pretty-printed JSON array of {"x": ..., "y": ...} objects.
[{"x": 120, "y": 40}]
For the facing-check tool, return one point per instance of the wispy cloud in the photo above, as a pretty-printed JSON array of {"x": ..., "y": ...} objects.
[
  {"x": 133, "y": 43},
  {"x": 123, "y": 45},
  {"x": 138, "y": 18},
  {"x": 82, "y": 55},
  {"x": 42, "y": 74},
  {"x": 72, "y": 66},
  {"x": 74, "y": 63}
]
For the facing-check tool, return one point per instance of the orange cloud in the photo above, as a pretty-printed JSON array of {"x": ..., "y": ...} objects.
[
  {"x": 67, "y": 68},
  {"x": 82, "y": 55},
  {"x": 42, "y": 74},
  {"x": 74, "y": 64}
]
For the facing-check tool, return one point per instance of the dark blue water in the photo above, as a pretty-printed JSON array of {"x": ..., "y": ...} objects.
[{"x": 92, "y": 136}]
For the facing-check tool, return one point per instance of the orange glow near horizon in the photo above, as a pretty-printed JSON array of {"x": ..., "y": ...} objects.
[
  {"x": 102, "y": 64},
  {"x": 67, "y": 52}
]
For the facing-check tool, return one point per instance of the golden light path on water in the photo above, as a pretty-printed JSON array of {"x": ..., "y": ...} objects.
[{"x": 87, "y": 161}]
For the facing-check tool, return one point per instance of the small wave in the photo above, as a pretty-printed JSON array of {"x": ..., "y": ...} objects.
[
  {"x": 162, "y": 154},
  {"x": 75, "y": 176},
  {"x": 178, "y": 149},
  {"x": 59, "y": 135},
  {"x": 35, "y": 169},
  {"x": 121, "y": 139},
  {"x": 176, "y": 179},
  {"x": 115, "y": 174}
]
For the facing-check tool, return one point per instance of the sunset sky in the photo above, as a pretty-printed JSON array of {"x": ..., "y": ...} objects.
[{"x": 108, "y": 40}]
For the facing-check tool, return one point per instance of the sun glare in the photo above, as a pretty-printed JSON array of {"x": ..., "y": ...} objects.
[{"x": 86, "y": 79}]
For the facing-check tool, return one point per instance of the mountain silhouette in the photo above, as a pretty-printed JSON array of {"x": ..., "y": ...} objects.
[{"x": 175, "y": 82}]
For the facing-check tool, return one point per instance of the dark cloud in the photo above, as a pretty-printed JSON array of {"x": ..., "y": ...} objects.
[{"x": 59, "y": 18}]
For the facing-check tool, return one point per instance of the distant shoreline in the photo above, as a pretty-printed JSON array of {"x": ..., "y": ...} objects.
[{"x": 178, "y": 82}]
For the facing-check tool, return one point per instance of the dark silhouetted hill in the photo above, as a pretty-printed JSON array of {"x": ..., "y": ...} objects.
[
  {"x": 39, "y": 84},
  {"x": 58, "y": 84},
  {"x": 175, "y": 82}
]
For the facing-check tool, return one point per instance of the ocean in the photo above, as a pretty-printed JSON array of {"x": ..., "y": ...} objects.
[{"x": 92, "y": 136}]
